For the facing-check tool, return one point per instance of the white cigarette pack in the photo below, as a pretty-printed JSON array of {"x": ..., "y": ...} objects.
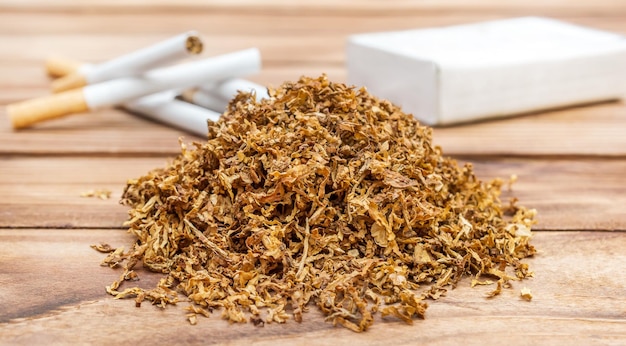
[{"x": 492, "y": 69}]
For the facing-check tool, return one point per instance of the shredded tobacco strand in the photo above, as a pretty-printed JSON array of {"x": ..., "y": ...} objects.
[
  {"x": 324, "y": 194},
  {"x": 99, "y": 193},
  {"x": 526, "y": 294}
]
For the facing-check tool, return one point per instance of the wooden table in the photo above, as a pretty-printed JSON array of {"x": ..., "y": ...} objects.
[{"x": 571, "y": 165}]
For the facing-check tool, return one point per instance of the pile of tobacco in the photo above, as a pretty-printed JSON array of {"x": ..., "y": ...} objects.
[{"x": 321, "y": 194}]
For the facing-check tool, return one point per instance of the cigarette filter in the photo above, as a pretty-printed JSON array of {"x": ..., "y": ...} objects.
[
  {"x": 59, "y": 66},
  {"x": 164, "y": 108},
  {"x": 122, "y": 90},
  {"x": 24, "y": 114},
  {"x": 132, "y": 64}
]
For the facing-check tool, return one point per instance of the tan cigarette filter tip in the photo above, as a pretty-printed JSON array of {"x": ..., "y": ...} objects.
[
  {"x": 69, "y": 82},
  {"x": 59, "y": 67},
  {"x": 194, "y": 44},
  {"x": 27, "y": 113},
  {"x": 188, "y": 95}
]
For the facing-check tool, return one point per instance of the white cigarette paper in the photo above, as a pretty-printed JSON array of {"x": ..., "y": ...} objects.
[
  {"x": 216, "y": 96},
  {"x": 161, "y": 107},
  {"x": 122, "y": 90},
  {"x": 164, "y": 108},
  {"x": 204, "y": 99},
  {"x": 227, "y": 89},
  {"x": 133, "y": 64},
  {"x": 225, "y": 66}
]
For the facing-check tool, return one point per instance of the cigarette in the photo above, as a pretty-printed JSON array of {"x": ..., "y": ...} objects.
[
  {"x": 204, "y": 99},
  {"x": 132, "y": 64},
  {"x": 161, "y": 107},
  {"x": 216, "y": 96},
  {"x": 57, "y": 66},
  {"x": 122, "y": 90},
  {"x": 164, "y": 108}
]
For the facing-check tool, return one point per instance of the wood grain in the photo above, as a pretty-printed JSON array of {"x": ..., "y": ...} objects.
[
  {"x": 590, "y": 131},
  {"x": 576, "y": 296},
  {"x": 354, "y": 7},
  {"x": 300, "y": 43},
  {"x": 570, "y": 165},
  {"x": 569, "y": 194}
]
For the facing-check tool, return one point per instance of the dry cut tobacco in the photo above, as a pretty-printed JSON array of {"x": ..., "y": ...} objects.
[
  {"x": 321, "y": 194},
  {"x": 526, "y": 294},
  {"x": 99, "y": 193}
]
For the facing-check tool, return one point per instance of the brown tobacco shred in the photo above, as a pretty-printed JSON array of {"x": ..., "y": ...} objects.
[
  {"x": 526, "y": 294},
  {"x": 103, "y": 247},
  {"x": 320, "y": 194},
  {"x": 99, "y": 193}
]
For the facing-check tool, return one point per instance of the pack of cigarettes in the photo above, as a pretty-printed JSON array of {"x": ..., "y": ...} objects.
[{"x": 464, "y": 73}]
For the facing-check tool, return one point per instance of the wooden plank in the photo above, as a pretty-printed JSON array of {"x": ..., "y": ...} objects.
[
  {"x": 288, "y": 40},
  {"x": 570, "y": 194},
  {"x": 589, "y": 130},
  {"x": 32, "y": 198},
  {"x": 570, "y": 165},
  {"x": 218, "y": 28},
  {"x": 577, "y": 295},
  {"x": 30, "y": 52},
  {"x": 109, "y": 131},
  {"x": 595, "y": 130},
  {"x": 253, "y": 24},
  {"x": 606, "y": 7},
  {"x": 41, "y": 270}
]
